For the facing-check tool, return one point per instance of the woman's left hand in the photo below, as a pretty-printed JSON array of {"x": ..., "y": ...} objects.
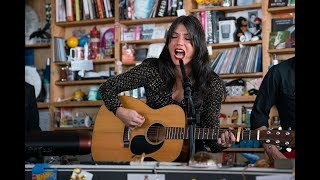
[{"x": 227, "y": 138}]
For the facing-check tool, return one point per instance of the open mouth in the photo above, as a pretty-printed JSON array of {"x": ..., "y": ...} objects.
[{"x": 179, "y": 53}]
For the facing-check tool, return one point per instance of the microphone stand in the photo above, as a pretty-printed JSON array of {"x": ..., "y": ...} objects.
[{"x": 191, "y": 113}]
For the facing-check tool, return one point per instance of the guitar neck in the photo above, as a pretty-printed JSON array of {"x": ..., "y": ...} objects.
[
  {"x": 208, "y": 133},
  {"x": 278, "y": 137}
]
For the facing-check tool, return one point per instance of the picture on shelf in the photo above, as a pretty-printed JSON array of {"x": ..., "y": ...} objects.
[
  {"x": 66, "y": 117},
  {"x": 227, "y": 30},
  {"x": 107, "y": 41}
]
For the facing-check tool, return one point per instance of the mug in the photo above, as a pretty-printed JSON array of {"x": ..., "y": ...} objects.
[{"x": 77, "y": 53}]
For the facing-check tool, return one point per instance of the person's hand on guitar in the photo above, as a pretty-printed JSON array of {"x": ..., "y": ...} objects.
[
  {"x": 130, "y": 117},
  {"x": 227, "y": 138},
  {"x": 271, "y": 150}
]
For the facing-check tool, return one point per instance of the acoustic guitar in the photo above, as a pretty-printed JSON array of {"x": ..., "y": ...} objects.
[{"x": 162, "y": 135}]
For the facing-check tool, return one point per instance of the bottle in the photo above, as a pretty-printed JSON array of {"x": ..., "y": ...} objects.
[
  {"x": 119, "y": 66},
  {"x": 47, "y": 71},
  {"x": 94, "y": 45},
  {"x": 46, "y": 81},
  {"x": 275, "y": 60}
]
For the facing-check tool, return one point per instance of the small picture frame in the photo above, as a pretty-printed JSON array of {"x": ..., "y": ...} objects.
[
  {"x": 227, "y": 29},
  {"x": 228, "y": 158}
]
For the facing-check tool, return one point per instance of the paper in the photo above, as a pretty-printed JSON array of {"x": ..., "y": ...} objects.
[
  {"x": 209, "y": 50},
  {"x": 276, "y": 177},
  {"x": 146, "y": 177},
  {"x": 82, "y": 65},
  {"x": 181, "y": 12},
  {"x": 154, "y": 50}
]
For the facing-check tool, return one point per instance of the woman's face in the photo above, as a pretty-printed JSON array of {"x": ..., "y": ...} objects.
[{"x": 180, "y": 46}]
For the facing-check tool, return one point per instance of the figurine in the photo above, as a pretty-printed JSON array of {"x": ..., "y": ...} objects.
[
  {"x": 257, "y": 33},
  {"x": 242, "y": 34}
]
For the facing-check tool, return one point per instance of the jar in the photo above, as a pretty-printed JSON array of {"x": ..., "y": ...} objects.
[{"x": 93, "y": 93}]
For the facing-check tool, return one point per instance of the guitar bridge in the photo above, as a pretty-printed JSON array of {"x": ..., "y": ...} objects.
[{"x": 126, "y": 137}]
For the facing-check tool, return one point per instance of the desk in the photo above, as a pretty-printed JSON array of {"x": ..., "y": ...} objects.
[{"x": 119, "y": 172}]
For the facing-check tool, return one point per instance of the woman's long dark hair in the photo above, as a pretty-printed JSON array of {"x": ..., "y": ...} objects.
[{"x": 201, "y": 72}]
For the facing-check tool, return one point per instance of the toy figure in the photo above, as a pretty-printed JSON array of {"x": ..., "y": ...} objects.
[
  {"x": 242, "y": 34},
  {"x": 257, "y": 33}
]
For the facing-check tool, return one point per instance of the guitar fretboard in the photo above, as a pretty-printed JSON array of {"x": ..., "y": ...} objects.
[{"x": 203, "y": 133}]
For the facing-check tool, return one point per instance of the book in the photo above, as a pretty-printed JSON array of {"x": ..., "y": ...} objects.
[
  {"x": 278, "y": 39},
  {"x": 143, "y": 8},
  {"x": 282, "y": 24},
  {"x": 162, "y": 8},
  {"x": 277, "y": 3}
]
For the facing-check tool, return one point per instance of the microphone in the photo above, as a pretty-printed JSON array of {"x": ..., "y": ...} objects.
[
  {"x": 57, "y": 143},
  {"x": 186, "y": 82}
]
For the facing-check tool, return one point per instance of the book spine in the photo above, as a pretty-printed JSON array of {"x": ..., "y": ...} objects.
[
  {"x": 70, "y": 16},
  {"x": 162, "y": 8},
  {"x": 77, "y": 9}
]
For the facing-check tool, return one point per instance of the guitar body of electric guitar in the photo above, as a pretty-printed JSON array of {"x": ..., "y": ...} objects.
[{"x": 112, "y": 141}]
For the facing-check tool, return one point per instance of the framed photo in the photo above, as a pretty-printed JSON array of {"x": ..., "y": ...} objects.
[
  {"x": 226, "y": 31},
  {"x": 228, "y": 158}
]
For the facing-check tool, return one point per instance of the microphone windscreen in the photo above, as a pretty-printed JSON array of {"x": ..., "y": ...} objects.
[{"x": 56, "y": 143}]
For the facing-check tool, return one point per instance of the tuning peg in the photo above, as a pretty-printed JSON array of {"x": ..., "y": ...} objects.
[
  {"x": 279, "y": 147},
  {"x": 289, "y": 128},
  {"x": 270, "y": 128},
  {"x": 287, "y": 143},
  {"x": 280, "y": 128},
  {"x": 289, "y": 149}
]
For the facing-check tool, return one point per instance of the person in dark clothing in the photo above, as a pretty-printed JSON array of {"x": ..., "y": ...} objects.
[
  {"x": 163, "y": 80},
  {"x": 31, "y": 113},
  {"x": 277, "y": 88},
  {"x": 31, "y": 120}
]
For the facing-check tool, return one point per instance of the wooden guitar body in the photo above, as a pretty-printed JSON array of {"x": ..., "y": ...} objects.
[
  {"x": 109, "y": 141},
  {"x": 163, "y": 136}
]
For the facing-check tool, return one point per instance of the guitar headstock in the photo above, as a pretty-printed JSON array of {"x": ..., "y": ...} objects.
[{"x": 278, "y": 137}]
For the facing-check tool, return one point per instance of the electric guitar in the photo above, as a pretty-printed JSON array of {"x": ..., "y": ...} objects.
[{"x": 162, "y": 135}]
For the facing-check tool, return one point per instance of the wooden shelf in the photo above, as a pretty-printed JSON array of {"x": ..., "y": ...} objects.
[
  {"x": 157, "y": 20},
  {"x": 43, "y": 105},
  {"x": 103, "y": 61},
  {"x": 78, "y": 104},
  {"x": 234, "y": 125},
  {"x": 80, "y": 82},
  {"x": 242, "y": 75},
  {"x": 244, "y": 150},
  {"x": 144, "y": 41},
  {"x": 239, "y": 99},
  {"x": 282, "y": 51},
  {"x": 234, "y": 44},
  {"x": 72, "y": 128},
  {"x": 279, "y": 10},
  {"x": 44, "y": 45},
  {"x": 85, "y": 22},
  {"x": 229, "y": 9}
]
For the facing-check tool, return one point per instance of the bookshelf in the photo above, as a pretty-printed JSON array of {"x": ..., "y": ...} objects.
[
  {"x": 64, "y": 89},
  {"x": 64, "y": 29}
]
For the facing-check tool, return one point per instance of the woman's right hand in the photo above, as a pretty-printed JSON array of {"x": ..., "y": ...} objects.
[{"x": 130, "y": 117}]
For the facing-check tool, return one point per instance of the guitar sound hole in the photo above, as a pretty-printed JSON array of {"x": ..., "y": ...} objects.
[{"x": 156, "y": 133}]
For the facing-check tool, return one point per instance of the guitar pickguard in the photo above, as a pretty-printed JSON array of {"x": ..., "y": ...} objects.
[{"x": 140, "y": 145}]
